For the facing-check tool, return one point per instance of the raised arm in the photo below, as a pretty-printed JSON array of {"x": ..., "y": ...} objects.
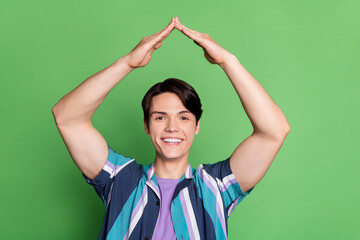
[
  {"x": 74, "y": 111},
  {"x": 253, "y": 157}
]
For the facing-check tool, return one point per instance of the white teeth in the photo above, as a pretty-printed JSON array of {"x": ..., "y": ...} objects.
[{"x": 172, "y": 140}]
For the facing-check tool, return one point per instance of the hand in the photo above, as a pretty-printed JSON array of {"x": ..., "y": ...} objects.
[
  {"x": 213, "y": 52},
  {"x": 141, "y": 54}
]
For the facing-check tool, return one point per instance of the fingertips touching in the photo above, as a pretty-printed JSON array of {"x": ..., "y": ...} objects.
[
  {"x": 177, "y": 22},
  {"x": 177, "y": 19},
  {"x": 171, "y": 25},
  {"x": 181, "y": 25}
]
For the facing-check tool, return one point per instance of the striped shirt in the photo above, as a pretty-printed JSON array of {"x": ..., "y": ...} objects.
[{"x": 200, "y": 207}]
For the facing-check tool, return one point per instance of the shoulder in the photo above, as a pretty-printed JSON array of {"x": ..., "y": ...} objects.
[
  {"x": 215, "y": 170},
  {"x": 116, "y": 158},
  {"x": 218, "y": 176},
  {"x": 119, "y": 163}
]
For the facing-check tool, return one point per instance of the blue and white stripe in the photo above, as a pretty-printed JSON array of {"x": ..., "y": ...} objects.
[{"x": 215, "y": 197}]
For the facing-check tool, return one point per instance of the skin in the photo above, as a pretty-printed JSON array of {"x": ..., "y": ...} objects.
[
  {"x": 249, "y": 161},
  {"x": 170, "y": 118},
  {"x": 254, "y": 155},
  {"x": 73, "y": 112}
]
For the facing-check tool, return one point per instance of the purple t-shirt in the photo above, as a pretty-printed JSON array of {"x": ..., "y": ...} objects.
[{"x": 165, "y": 228}]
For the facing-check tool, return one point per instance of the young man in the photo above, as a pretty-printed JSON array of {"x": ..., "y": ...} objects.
[{"x": 168, "y": 199}]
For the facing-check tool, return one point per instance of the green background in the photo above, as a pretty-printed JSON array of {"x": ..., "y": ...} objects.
[{"x": 304, "y": 53}]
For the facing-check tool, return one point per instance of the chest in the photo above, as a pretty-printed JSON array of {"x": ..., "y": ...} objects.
[{"x": 195, "y": 211}]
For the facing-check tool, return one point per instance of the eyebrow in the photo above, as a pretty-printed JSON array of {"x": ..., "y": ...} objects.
[{"x": 164, "y": 113}]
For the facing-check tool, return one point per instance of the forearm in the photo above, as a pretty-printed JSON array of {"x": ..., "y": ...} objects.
[
  {"x": 80, "y": 104},
  {"x": 265, "y": 116}
]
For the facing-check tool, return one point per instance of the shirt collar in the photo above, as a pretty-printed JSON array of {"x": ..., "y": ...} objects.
[
  {"x": 153, "y": 184},
  {"x": 188, "y": 174}
]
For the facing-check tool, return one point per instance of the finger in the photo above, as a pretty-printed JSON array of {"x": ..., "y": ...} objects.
[
  {"x": 164, "y": 29},
  {"x": 160, "y": 36},
  {"x": 185, "y": 29},
  {"x": 181, "y": 26},
  {"x": 194, "y": 35},
  {"x": 178, "y": 25}
]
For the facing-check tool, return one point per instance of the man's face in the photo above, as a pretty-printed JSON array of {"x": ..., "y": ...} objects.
[{"x": 171, "y": 127}]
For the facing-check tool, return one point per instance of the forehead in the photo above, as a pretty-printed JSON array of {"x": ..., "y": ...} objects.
[{"x": 168, "y": 102}]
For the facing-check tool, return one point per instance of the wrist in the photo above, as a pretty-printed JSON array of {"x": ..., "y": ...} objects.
[
  {"x": 123, "y": 63},
  {"x": 229, "y": 60}
]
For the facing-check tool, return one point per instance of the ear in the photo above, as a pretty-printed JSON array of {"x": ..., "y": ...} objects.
[
  {"x": 146, "y": 128},
  {"x": 197, "y": 128}
]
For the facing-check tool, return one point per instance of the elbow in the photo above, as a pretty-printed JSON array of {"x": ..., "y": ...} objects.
[
  {"x": 284, "y": 132},
  {"x": 53, "y": 110},
  {"x": 286, "y": 128},
  {"x": 277, "y": 134},
  {"x": 281, "y": 133},
  {"x": 56, "y": 114},
  {"x": 66, "y": 117}
]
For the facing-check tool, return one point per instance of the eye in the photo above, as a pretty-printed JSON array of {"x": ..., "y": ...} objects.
[
  {"x": 159, "y": 118},
  {"x": 184, "y": 118}
]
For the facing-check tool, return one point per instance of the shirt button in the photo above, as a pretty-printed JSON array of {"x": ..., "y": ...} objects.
[
  {"x": 157, "y": 203},
  {"x": 146, "y": 238}
]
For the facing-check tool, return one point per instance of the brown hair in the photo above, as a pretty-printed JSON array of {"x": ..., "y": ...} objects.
[{"x": 183, "y": 90}]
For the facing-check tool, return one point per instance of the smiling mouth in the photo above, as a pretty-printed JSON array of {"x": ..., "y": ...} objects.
[{"x": 172, "y": 141}]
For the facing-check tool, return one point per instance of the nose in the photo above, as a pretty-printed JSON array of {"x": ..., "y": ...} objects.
[{"x": 171, "y": 125}]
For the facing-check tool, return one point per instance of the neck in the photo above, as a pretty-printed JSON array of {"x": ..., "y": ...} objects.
[{"x": 170, "y": 168}]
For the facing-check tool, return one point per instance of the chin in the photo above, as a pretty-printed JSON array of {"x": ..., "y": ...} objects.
[{"x": 171, "y": 156}]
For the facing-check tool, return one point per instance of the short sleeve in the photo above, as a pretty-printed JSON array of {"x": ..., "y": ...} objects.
[
  {"x": 228, "y": 186},
  {"x": 103, "y": 182}
]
